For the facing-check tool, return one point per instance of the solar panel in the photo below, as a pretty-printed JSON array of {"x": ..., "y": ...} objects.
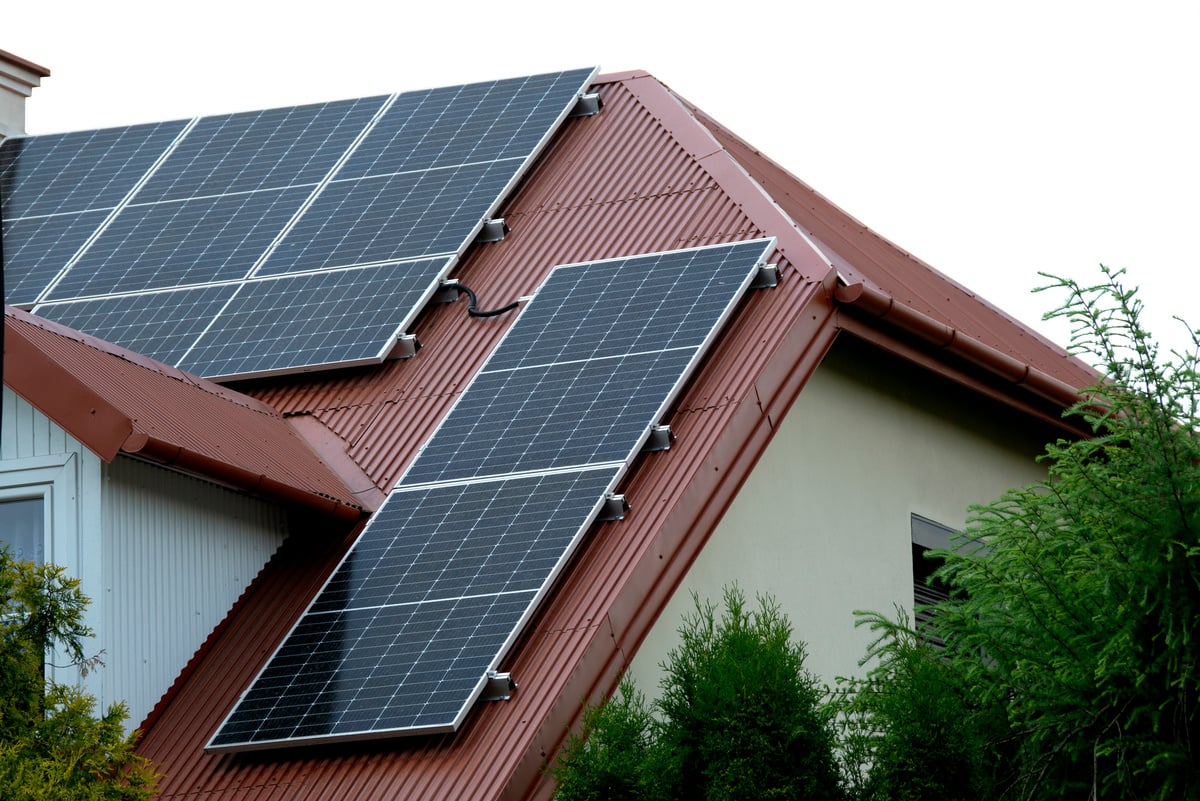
[
  {"x": 405, "y": 628},
  {"x": 161, "y": 325},
  {"x": 57, "y": 190},
  {"x": 120, "y": 215},
  {"x": 282, "y": 325},
  {"x": 440, "y": 583}
]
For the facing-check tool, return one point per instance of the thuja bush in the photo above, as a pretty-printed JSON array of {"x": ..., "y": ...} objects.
[
  {"x": 910, "y": 729},
  {"x": 738, "y": 717},
  {"x": 1076, "y": 605}
]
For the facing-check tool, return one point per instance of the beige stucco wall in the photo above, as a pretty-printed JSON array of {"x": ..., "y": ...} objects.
[{"x": 823, "y": 522}]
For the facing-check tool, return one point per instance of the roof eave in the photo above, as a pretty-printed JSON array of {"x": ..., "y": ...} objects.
[{"x": 106, "y": 430}]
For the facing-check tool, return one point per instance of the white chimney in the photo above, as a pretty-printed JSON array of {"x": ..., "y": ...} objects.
[{"x": 18, "y": 78}]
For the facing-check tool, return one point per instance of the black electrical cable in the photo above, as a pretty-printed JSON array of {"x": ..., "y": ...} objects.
[{"x": 474, "y": 302}]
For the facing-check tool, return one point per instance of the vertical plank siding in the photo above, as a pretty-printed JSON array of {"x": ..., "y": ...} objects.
[{"x": 178, "y": 551}]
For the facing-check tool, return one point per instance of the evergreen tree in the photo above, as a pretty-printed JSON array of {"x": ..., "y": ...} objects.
[
  {"x": 1076, "y": 610},
  {"x": 739, "y": 717},
  {"x": 53, "y": 747}
]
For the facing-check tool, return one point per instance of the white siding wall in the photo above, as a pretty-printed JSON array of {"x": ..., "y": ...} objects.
[
  {"x": 823, "y": 522},
  {"x": 39, "y": 458},
  {"x": 162, "y": 555},
  {"x": 178, "y": 552}
]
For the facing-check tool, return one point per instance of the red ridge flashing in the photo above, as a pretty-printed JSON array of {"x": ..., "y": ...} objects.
[{"x": 734, "y": 181}]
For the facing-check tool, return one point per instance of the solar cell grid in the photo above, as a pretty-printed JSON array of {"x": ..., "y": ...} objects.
[
  {"x": 81, "y": 171},
  {"x": 372, "y": 670},
  {"x": 297, "y": 322},
  {"x": 235, "y": 197},
  {"x": 392, "y": 217},
  {"x": 464, "y": 124},
  {"x": 160, "y": 325},
  {"x": 180, "y": 243},
  {"x": 295, "y": 146},
  {"x": 465, "y": 539},
  {"x": 550, "y": 416},
  {"x": 36, "y": 248},
  {"x": 401, "y": 637},
  {"x": 654, "y": 302}
]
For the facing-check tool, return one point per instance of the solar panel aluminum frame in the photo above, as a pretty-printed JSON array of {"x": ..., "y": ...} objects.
[{"x": 620, "y": 468}]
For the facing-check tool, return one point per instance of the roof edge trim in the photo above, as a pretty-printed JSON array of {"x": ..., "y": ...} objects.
[
  {"x": 171, "y": 455},
  {"x": 694, "y": 137},
  {"x": 67, "y": 401},
  {"x": 877, "y": 305}
]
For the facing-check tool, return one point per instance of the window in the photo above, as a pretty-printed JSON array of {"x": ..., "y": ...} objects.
[
  {"x": 23, "y": 528},
  {"x": 927, "y": 535}
]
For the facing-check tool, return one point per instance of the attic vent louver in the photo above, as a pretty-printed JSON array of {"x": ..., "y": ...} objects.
[
  {"x": 494, "y": 230},
  {"x": 587, "y": 106},
  {"x": 499, "y": 687}
]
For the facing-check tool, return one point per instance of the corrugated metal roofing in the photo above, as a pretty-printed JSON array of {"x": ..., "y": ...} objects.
[
  {"x": 115, "y": 401},
  {"x": 645, "y": 174}
]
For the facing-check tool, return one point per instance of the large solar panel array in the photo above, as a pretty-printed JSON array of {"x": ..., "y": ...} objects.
[
  {"x": 274, "y": 241},
  {"x": 428, "y": 600}
]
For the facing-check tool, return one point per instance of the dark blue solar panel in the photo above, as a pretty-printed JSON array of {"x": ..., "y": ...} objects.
[
  {"x": 37, "y": 248},
  {"x": 465, "y": 539},
  {"x": 589, "y": 365},
  {"x": 197, "y": 241},
  {"x": 548, "y": 438},
  {"x": 464, "y": 124},
  {"x": 238, "y": 197},
  {"x": 295, "y": 146},
  {"x": 370, "y": 671},
  {"x": 297, "y": 322},
  {"x": 398, "y": 216},
  {"x": 550, "y": 416},
  {"x": 78, "y": 171},
  {"x": 609, "y": 308},
  {"x": 161, "y": 325},
  {"x": 427, "y": 601}
]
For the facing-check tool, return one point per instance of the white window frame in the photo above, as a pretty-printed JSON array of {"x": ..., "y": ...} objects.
[{"x": 55, "y": 480}]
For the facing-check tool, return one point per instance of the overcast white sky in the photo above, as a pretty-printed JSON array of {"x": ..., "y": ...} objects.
[{"x": 991, "y": 140}]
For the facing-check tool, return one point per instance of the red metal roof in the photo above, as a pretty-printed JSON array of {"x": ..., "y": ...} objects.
[
  {"x": 116, "y": 401},
  {"x": 645, "y": 174}
]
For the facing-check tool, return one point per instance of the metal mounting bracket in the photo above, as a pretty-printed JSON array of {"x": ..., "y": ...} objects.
[
  {"x": 499, "y": 687},
  {"x": 659, "y": 440},
  {"x": 493, "y": 230},
  {"x": 766, "y": 278},
  {"x": 405, "y": 348},
  {"x": 614, "y": 508},
  {"x": 587, "y": 106}
]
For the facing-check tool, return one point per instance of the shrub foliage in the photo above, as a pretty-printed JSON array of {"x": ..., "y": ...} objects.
[
  {"x": 53, "y": 746},
  {"x": 738, "y": 717},
  {"x": 1070, "y": 668}
]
